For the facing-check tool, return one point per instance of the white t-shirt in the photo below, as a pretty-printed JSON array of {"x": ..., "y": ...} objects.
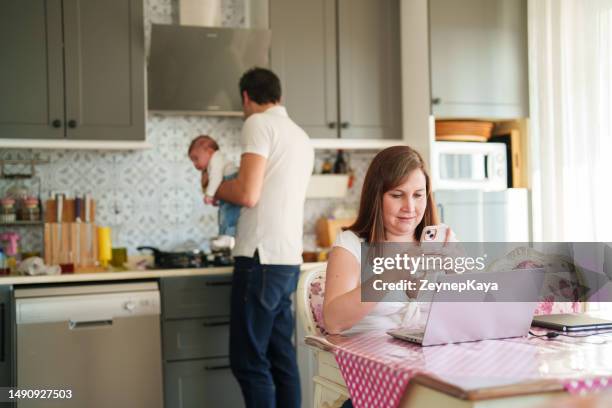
[
  {"x": 216, "y": 169},
  {"x": 274, "y": 226},
  {"x": 385, "y": 315}
]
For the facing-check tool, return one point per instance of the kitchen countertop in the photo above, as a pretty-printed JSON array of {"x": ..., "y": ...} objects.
[{"x": 124, "y": 275}]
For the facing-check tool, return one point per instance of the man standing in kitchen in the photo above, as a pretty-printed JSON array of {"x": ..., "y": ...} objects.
[{"x": 275, "y": 167}]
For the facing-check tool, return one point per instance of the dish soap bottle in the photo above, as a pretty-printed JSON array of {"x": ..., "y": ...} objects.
[{"x": 11, "y": 250}]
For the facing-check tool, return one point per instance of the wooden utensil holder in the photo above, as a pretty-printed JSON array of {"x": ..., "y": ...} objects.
[{"x": 71, "y": 242}]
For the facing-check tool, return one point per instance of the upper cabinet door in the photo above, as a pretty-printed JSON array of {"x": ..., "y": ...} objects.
[
  {"x": 104, "y": 54},
  {"x": 479, "y": 58},
  {"x": 31, "y": 72},
  {"x": 369, "y": 68},
  {"x": 304, "y": 57}
]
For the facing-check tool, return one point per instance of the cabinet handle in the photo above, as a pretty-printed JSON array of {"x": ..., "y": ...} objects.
[
  {"x": 331, "y": 125},
  {"x": 221, "y": 367},
  {"x": 436, "y": 101},
  {"x": 72, "y": 123},
  {"x": 224, "y": 283},
  {"x": 56, "y": 123},
  {"x": 213, "y": 324},
  {"x": 72, "y": 325},
  {"x": 345, "y": 125}
]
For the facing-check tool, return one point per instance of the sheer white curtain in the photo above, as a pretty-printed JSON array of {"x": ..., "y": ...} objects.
[{"x": 570, "y": 69}]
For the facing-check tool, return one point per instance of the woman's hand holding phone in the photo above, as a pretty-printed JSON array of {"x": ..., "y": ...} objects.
[
  {"x": 438, "y": 233},
  {"x": 440, "y": 241}
]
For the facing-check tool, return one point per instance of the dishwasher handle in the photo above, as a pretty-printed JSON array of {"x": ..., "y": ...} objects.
[{"x": 90, "y": 324}]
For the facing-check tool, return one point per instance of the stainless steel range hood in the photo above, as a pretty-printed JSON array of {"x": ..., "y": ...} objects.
[{"x": 195, "y": 70}]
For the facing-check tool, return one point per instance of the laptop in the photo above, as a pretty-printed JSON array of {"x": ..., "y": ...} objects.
[
  {"x": 571, "y": 322},
  {"x": 457, "y": 322}
]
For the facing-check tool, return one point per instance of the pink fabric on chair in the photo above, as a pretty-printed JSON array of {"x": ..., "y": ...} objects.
[
  {"x": 316, "y": 295},
  {"x": 556, "y": 284}
]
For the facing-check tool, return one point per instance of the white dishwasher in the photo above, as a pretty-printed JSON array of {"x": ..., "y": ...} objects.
[{"x": 102, "y": 342}]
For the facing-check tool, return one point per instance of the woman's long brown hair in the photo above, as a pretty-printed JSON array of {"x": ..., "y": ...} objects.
[{"x": 389, "y": 169}]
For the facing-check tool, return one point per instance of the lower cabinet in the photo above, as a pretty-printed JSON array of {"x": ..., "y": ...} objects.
[
  {"x": 7, "y": 349},
  {"x": 201, "y": 383},
  {"x": 196, "y": 338},
  {"x": 195, "y": 341}
]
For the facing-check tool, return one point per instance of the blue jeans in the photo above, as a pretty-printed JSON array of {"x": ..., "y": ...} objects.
[
  {"x": 262, "y": 356},
  {"x": 228, "y": 214}
]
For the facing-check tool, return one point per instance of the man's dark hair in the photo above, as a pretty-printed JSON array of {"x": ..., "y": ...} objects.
[{"x": 262, "y": 86}]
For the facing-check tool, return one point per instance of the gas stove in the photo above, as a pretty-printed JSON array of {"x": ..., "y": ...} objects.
[
  {"x": 219, "y": 259},
  {"x": 189, "y": 259}
]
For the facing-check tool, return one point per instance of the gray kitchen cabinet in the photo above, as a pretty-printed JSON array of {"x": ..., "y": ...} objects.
[
  {"x": 197, "y": 297},
  {"x": 195, "y": 341},
  {"x": 201, "y": 383},
  {"x": 7, "y": 366},
  {"x": 369, "y": 69},
  {"x": 72, "y": 69},
  {"x": 304, "y": 57},
  {"x": 478, "y": 52},
  {"x": 31, "y": 71},
  {"x": 338, "y": 61},
  {"x": 196, "y": 338}
]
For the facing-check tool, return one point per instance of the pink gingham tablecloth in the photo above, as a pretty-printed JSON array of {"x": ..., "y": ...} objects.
[
  {"x": 377, "y": 368},
  {"x": 586, "y": 385}
]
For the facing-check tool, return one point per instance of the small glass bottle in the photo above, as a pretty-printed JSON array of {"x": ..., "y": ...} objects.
[
  {"x": 340, "y": 166},
  {"x": 327, "y": 166}
]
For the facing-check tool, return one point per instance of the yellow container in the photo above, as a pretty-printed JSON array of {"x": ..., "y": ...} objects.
[{"x": 104, "y": 245}]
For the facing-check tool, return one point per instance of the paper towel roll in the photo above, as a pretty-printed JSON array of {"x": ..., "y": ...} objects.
[{"x": 104, "y": 245}]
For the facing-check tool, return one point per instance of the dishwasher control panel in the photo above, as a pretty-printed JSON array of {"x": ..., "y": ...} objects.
[{"x": 86, "y": 307}]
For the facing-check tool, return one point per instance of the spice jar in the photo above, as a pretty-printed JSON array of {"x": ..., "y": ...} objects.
[
  {"x": 7, "y": 210},
  {"x": 30, "y": 210}
]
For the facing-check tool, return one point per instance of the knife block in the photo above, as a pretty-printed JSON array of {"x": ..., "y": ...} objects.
[
  {"x": 68, "y": 211},
  {"x": 71, "y": 242}
]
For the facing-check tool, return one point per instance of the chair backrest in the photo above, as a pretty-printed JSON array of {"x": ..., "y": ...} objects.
[{"x": 309, "y": 299}]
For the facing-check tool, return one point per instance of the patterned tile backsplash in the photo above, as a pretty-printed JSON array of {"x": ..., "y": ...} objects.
[{"x": 152, "y": 197}]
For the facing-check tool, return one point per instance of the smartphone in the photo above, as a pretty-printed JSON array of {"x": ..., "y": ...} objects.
[{"x": 434, "y": 233}]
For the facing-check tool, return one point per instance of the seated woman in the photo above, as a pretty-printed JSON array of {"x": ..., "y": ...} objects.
[{"x": 396, "y": 204}]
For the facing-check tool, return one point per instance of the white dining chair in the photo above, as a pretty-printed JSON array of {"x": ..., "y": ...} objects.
[{"x": 329, "y": 387}]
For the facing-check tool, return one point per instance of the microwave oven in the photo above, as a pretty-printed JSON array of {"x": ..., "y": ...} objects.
[{"x": 469, "y": 166}]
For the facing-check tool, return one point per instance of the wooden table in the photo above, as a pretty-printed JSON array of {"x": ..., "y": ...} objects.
[{"x": 517, "y": 372}]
